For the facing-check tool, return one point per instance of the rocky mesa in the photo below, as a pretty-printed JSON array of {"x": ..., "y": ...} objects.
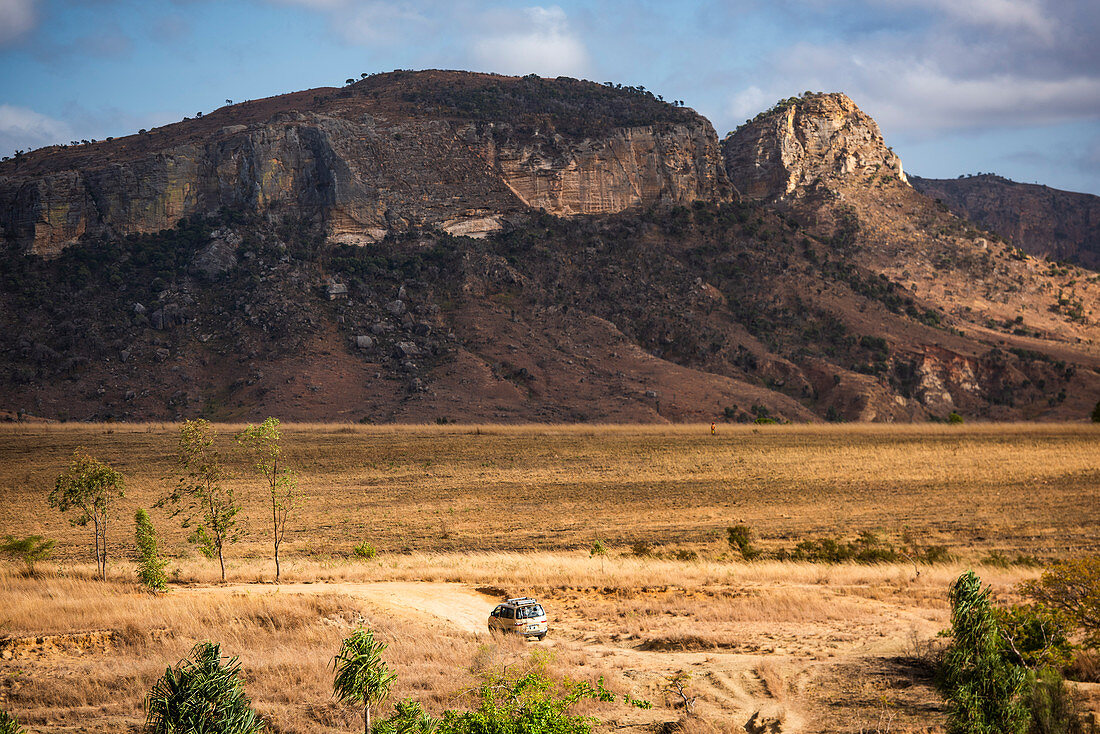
[
  {"x": 451, "y": 246},
  {"x": 456, "y": 151}
]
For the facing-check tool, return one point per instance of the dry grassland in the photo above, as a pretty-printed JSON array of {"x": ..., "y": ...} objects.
[{"x": 512, "y": 510}]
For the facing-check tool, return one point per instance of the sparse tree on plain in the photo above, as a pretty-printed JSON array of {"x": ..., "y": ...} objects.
[
  {"x": 361, "y": 674},
  {"x": 88, "y": 487},
  {"x": 200, "y": 495},
  {"x": 262, "y": 443}
]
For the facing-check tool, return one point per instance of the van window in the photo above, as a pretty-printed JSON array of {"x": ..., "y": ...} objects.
[{"x": 507, "y": 613}]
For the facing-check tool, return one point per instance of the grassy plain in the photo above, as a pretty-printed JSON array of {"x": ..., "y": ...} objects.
[{"x": 514, "y": 509}]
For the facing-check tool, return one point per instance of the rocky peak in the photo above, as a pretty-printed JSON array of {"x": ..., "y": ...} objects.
[{"x": 802, "y": 141}]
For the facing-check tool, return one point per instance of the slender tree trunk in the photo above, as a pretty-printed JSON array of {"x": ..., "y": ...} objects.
[
  {"x": 366, "y": 717},
  {"x": 221, "y": 561},
  {"x": 275, "y": 523},
  {"x": 104, "y": 572}
]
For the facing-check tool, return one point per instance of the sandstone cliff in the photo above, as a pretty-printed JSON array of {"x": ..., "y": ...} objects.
[
  {"x": 1061, "y": 225},
  {"x": 364, "y": 162},
  {"x": 802, "y": 141}
]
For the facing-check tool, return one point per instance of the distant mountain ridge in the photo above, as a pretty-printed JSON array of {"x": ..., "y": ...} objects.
[
  {"x": 1061, "y": 225},
  {"x": 424, "y": 246}
]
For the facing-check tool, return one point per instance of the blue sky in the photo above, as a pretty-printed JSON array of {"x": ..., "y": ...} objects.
[{"x": 958, "y": 86}]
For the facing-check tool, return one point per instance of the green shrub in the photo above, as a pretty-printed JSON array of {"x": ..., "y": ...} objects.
[
  {"x": 9, "y": 724},
  {"x": 1035, "y": 637},
  {"x": 30, "y": 550},
  {"x": 954, "y": 417},
  {"x": 597, "y": 548},
  {"x": 532, "y": 704},
  {"x": 1053, "y": 707},
  {"x": 202, "y": 694},
  {"x": 1072, "y": 587},
  {"x": 364, "y": 550},
  {"x": 150, "y": 564},
  {"x": 982, "y": 687},
  {"x": 740, "y": 539}
]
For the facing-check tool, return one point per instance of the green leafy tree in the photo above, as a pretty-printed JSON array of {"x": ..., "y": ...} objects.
[
  {"x": 150, "y": 564},
  {"x": 262, "y": 443},
  {"x": 201, "y": 496},
  {"x": 88, "y": 487},
  {"x": 361, "y": 676},
  {"x": 983, "y": 688},
  {"x": 201, "y": 695},
  {"x": 9, "y": 724},
  {"x": 1073, "y": 588},
  {"x": 30, "y": 550}
]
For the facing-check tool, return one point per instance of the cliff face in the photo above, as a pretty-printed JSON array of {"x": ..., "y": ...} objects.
[
  {"x": 803, "y": 141},
  {"x": 1061, "y": 225},
  {"x": 361, "y": 166}
]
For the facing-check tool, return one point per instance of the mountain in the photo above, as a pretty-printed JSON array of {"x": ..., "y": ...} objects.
[
  {"x": 453, "y": 246},
  {"x": 1060, "y": 225}
]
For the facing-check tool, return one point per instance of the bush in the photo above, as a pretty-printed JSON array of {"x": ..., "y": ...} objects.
[
  {"x": 202, "y": 695},
  {"x": 1035, "y": 637},
  {"x": 9, "y": 724},
  {"x": 1073, "y": 588},
  {"x": 30, "y": 550},
  {"x": 364, "y": 550},
  {"x": 597, "y": 548},
  {"x": 954, "y": 417},
  {"x": 982, "y": 687},
  {"x": 740, "y": 539},
  {"x": 1053, "y": 706},
  {"x": 150, "y": 564},
  {"x": 641, "y": 549},
  {"x": 1096, "y": 413}
]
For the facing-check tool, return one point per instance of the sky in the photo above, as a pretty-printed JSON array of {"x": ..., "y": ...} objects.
[{"x": 958, "y": 86}]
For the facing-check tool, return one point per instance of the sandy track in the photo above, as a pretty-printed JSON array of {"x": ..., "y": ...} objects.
[{"x": 436, "y": 604}]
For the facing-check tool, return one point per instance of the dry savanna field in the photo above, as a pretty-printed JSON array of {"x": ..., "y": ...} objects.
[{"x": 460, "y": 515}]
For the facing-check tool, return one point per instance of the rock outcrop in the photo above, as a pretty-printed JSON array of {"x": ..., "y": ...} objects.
[
  {"x": 361, "y": 164},
  {"x": 819, "y": 138}
]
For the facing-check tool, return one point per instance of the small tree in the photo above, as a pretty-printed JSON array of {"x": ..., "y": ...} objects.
[
  {"x": 982, "y": 687},
  {"x": 30, "y": 550},
  {"x": 361, "y": 674},
  {"x": 740, "y": 539},
  {"x": 150, "y": 564},
  {"x": 200, "y": 496},
  {"x": 88, "y": 487},
  {"x": 1096, "y": 413},
  {"x": 202, "y": 694},
  {"x": 262, "y": 444}
]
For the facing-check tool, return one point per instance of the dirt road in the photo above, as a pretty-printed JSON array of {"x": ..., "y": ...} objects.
[{"x": 434, "y": 603}]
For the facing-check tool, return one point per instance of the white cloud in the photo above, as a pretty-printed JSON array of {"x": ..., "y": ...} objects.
[
  {"x": 22, "y": 128},
  {"x": 16, "y": 18},
  {"x": 377, "y": 22},
  {"x": 1026, "y": 15},
  {"x": 748, "y": 102},
  {"x": 534, "y": 40}
]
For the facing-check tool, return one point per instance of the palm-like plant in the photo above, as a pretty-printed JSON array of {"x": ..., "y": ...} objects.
[
  {"x": 361, "y": 674},
  {"x": 201, "y": 695}
]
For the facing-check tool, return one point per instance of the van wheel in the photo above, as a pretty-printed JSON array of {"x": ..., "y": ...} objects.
[{"x": 539, "y": 637}]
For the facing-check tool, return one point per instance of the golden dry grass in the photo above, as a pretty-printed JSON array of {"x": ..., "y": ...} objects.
[
  {"x": 1013, "y": 488},
  {"x": 513, "y": 509}
]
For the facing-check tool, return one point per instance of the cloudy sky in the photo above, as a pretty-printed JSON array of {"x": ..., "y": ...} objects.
[{"x": 958, "y": 86}]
